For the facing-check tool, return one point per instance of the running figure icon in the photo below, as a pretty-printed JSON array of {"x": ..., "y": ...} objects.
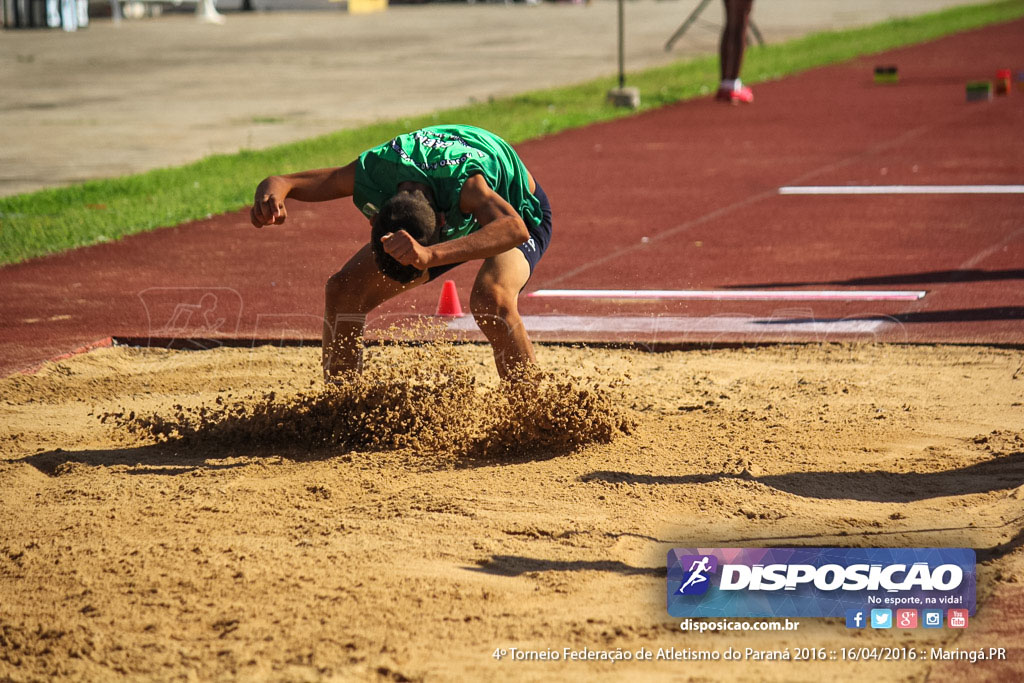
[{"x": 697, "y": 573}]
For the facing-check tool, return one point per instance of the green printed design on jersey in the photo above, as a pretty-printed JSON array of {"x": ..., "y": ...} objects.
[{"x": 443, "y": 157}]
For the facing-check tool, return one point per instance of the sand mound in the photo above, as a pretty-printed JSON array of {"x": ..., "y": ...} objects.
[
  {"x": 424, "y": 398},
  {"x": 550, "y": 412}
]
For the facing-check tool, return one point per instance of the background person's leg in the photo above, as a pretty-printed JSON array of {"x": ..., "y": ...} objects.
[
  {"x": 351, "y": 293},
  {"x": 730, "y": 51},
  {"x": 734, "y": 35},
  {"x": 494, "y": 303}
]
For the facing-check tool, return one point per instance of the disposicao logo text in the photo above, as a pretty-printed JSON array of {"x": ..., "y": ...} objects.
[{"x": 809, "y": 582}]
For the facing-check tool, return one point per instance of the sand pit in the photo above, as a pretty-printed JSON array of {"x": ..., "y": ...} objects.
[{"x": 128, "y": 551}]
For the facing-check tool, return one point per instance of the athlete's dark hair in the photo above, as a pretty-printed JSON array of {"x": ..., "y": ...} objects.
[{"x": 409, "y": 211}]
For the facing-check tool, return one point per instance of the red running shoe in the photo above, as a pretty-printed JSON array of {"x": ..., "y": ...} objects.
[{"x": 743, "y": 94}]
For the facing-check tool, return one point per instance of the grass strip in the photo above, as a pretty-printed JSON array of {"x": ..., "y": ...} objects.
[{"x": 48, "y": 221}]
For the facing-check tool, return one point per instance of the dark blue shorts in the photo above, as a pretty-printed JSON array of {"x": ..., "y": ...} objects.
[{"x": 533, "y": 249}]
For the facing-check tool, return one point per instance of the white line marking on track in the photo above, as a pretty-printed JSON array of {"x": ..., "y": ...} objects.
[
  {"x": 902, "y": 189},
  {"x": 652, "y": 325},
  {"x": 732, "y": 294}
]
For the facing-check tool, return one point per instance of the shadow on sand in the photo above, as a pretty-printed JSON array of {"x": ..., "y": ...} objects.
[{"x": 1000, "y": 473}]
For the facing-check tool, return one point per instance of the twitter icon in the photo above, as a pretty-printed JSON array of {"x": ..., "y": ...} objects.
[{"x": 881, "y": 618}]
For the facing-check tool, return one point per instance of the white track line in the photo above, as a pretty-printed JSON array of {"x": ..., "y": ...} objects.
[
  {"x": 652, "y": 325},
  {"x": 731, "y": 294},
  {"x": 902, "y": 189}
]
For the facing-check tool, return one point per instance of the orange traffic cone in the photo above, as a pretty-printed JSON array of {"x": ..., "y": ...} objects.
[{"x": 448, "y": 304}]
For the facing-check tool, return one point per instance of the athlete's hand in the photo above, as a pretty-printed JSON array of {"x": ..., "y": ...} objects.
[
  {"x": 268, "y": 204},
  {"x": 407, "y": 251}
]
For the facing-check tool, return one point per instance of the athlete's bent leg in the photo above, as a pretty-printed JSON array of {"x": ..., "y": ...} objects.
[
  {"x": 494, "y": 303},
  {"x": 351, "y": 293}
]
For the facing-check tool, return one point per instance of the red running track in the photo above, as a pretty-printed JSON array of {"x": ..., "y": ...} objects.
[{"x": 685, "y": 197}]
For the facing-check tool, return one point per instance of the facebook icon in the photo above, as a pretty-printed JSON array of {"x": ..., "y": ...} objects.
[{"x": 855, "y": 618}]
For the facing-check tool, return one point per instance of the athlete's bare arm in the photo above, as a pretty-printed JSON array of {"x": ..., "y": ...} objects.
[
  {"x": 501, "y": 229},
  {"x": 318, "y": 185}
]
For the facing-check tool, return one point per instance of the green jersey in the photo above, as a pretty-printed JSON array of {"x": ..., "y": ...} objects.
[{"x": 443, "y": 157}]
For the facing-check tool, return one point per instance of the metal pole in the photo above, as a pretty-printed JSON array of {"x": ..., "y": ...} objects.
[
  {"x": 686, "y": 24},
  {"x": 622, "y": 40},
  {"x": 623, "y": 96},
  {"x": 757, "y": 34}
]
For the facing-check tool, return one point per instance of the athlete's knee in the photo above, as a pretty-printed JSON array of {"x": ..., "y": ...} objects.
[
  {"x": 493, "y": 305},
  {"x": 347, "y": 293}
]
